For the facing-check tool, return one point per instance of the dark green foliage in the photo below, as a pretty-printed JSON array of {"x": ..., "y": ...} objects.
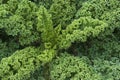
[
  {"x": 45, "y": 3},
  {"x": 6, "y": 49},
  {"x": 104, "y": 55},
  {"x": 59, "y": 40},
  {"x": 16, "y": 21},
  {"x": 110, "y": 69},
  {"x": 39, "y": 74},
  {"x": 62, "y": 11},
  {"x": 106, "y": 10},
  {"x": 67, "y": 67},
  {"x": 97, "y": 8}
]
